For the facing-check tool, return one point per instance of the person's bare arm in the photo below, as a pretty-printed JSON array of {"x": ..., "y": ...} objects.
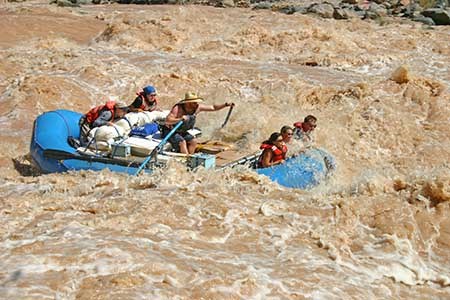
[
  {"x": 172, "y": 118},
  {"x": 278, "y": 162},
  {"x": 266, "y": 158},
  {"x": 134, "y": 109},
  {"x": 214, "y": 107}
]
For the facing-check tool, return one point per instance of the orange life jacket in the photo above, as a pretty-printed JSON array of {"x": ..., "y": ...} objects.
[
  {"x": 93, "y": 114},
  {"x": 277, "y": 153},
  {"x": 144, "y": 105}
]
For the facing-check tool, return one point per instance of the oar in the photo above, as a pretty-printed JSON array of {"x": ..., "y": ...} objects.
[
  {"x": 228, "y": 116},
  {"x": 158, "y": 148}
]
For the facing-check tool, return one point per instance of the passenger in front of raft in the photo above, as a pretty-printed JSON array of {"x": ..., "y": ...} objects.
[
  {"x": 274, "y": 151},
  {"x": 303, "y": 130},
  {"x": 104, "y": 114},
  {"x": 186, "y": 110}
]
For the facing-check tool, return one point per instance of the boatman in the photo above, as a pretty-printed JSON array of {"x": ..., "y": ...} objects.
[
  {"x": 186, "y": 110},
  {"x": 101, "y": 115},
  {"x": 146, "y": 100}
]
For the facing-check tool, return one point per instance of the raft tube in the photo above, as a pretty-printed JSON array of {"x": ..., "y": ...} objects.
[
  {"x": 51, "y": 152},
  {"x": 303, "y": 171}
]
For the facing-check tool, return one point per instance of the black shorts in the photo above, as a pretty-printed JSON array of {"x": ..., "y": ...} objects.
[{"x": 176, "y": 138}]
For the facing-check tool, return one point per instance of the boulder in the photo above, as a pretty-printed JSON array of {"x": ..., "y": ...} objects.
[
  {"x": 441, "y": 4},
  {"x": 226, "y": 3},
  {"x": 344, "y": 14},
  {"x": 291, "y": 9},
  {"x": 405, "y": 2},
  {"x": 324, "y": 10},
  {"x": 66, "y": 3},
  {"x": 263, "y": 5},
  {"x": 401, "y": 75},
  {"x": 377, "y": 9},
  {"x": 424, "y": 20},
  {"x": 242, "y": 3},
  {"x": 438, "y": 15}
]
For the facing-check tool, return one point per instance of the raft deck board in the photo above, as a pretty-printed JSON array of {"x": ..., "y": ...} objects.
[{"x": 222, "y": 158}]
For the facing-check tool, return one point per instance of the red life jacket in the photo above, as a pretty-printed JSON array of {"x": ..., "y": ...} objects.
[
  {"x": 92, "y": 115},
  {"x": 298, "y": 125},
  {"x": 300, "y": 133},
  {"x": 277, "y": 153},
  {"x": 144, "y": 105}
]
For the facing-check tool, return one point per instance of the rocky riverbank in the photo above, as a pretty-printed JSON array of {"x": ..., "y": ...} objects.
[{"x": 429, "y": 12}]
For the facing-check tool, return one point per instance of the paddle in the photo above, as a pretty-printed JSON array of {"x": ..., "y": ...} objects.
[
  {"x": 158, "y": 148},
  {"x": 228, "y": 116}
]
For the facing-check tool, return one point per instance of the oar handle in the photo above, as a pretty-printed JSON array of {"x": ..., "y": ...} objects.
[{"x": 159, "y": 147}]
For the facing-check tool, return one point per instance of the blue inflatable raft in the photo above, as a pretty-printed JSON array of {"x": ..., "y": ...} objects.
[
  {"x": 303, "y": 171},
  {"x": 51, "y": 152}
]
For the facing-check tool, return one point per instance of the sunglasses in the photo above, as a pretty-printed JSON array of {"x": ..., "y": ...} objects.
[{"x": 278, "y": 141}]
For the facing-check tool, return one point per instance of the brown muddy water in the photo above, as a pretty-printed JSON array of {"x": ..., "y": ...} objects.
[{"x": 378, "y": 229}]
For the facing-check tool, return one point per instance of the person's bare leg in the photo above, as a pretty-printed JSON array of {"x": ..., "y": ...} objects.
[
  {"x": 191, "y": 146},
  {"x": 183, "y": 147}
]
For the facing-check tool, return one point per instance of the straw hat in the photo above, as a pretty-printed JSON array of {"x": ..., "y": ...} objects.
[{"x": 190, "y": 97}]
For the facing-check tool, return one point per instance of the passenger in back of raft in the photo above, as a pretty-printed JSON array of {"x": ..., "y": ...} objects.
[
  {"x": 104, "y": 114},
  {"x": 186, "y": 110},
  {"x": 274, "y": 151},
  {"x": 146, "y": 100},
  {"x": 303, "y": 130}
]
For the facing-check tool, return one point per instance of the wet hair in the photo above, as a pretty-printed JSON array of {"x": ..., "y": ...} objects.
[
  {"x": 273, "y": 137},
  {"x": 285, "y": 129},
  {"x": 310, "y": 118}
]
